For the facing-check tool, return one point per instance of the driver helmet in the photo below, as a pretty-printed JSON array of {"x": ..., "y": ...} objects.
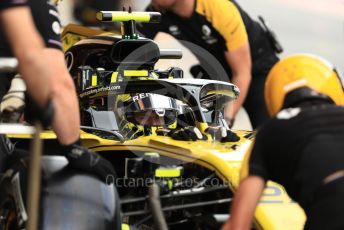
[{"x": 146, "y": 112}]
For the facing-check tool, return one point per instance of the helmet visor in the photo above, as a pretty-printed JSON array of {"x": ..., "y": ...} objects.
[
  {"x": 151, "y": 110},
  {"x": 153, "y": 117}
]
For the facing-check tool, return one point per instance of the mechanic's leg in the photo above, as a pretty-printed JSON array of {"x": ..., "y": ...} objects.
[
  {"x": 254, "y": 103},
  {"x": 66, "y": 121}
]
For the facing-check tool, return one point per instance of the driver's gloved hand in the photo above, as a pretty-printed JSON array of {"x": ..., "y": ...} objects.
[
  {"x": 230, "y": 137},
  {"x": 86, "y": 160},
  {"x": 222, "y": 135},
  {"x": 197, "y": 71},
  {"x": 186, "y": 134}
]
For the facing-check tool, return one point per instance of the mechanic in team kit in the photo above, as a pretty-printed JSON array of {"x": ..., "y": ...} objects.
[
  {"x": 218, "y": 26},
  {"x": 42, "y": 66},
  {"x": 301, "y": 147}
]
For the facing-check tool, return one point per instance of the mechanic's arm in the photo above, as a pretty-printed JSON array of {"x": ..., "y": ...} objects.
[
  {"x": 240, "y": 62},
  {"x": 226, "y": 19},
  {"x": 27, "y": 46},
  {"x": 253, "y": 176},
  {"x": 244, "y": 203}
]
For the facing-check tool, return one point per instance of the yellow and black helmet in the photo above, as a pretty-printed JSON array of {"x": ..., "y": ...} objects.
[
  {"x": 142, "y": 114},
  {"x": 316, "y": 76},
  {"x": 149, "y": 109}
]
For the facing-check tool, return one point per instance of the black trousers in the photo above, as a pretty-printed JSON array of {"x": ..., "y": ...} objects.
[
  {"x": 327, "y": 209},
  {"x": 262, "y": 63},
  {"x": 255, "y": 103}
]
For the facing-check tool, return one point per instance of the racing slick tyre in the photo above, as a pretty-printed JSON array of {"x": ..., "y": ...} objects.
[{"x": 69, "y": 199}]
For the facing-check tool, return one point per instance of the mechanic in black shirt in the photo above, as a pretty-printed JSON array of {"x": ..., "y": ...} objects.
[
  {"x": 223, "y": 30},
  {"x": 42, "y": 66},
  {"x": 301, "y": 147}
]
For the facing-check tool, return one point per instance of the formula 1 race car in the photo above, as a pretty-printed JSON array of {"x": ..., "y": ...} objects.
[{"x": 158, "y": 130}]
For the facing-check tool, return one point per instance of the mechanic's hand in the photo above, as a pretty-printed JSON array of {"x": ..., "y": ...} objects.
[
  {"x": 86, "y": 160},
  {"x": 186, "y": 134},
  {"x": 221, "y": 134}
]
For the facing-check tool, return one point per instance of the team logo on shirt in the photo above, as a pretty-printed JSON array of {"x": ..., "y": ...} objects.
[
  {"x": 206, "y": 30},
  {"x": 174, "y": 30},
  {"x": 287, "y": 114},
  {"x": 56, "y": 27},
  {"x": 207, "y": 35}
]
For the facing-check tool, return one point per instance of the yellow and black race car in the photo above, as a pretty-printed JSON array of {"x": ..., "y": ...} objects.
[{"x": 131, "y": 115}]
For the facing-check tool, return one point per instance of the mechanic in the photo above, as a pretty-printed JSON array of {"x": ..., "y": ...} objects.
[
  {"x": 301, "y": 147},
  {"x": 218, "y": 26},
  {"x": 50, "y": 87}
]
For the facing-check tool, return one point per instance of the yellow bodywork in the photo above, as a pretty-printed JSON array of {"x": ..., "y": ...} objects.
[
  {"x": 73, "y": 33},
  {"x": 275, "y": 211}
]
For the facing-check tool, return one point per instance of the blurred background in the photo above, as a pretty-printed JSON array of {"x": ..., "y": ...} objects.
[
  {"x": 302, "y": 26},
  {"x": 315, "y": 26}
]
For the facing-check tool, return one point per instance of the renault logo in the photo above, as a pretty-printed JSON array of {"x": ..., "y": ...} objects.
[{"x": 206, "y": 30}]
